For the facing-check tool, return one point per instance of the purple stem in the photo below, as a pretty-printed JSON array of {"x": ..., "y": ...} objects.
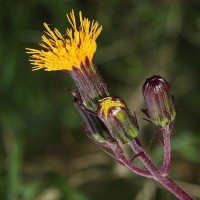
[
  {"x": 119, "y": 156},
  {"x": 167, "y": 150},
  {"x": 122, "y": 159},
  {"x": 157, "y": 174},
  {"x": 173, "y": 188},
  {"x": 136, "y": 146}
]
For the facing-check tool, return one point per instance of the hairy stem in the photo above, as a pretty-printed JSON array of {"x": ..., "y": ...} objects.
[
  {"x": 118, "y": 155},
  {"x": 157, "y": 173},
  {"x": 123, "y": 160},
  {"x": 168, "y": 184},
  {"x": 167, "y": 150}
]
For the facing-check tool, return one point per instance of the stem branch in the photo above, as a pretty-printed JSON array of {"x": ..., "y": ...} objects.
[
  {"x": 157, "y": 173},
  {"x": 122, "y": 159}
]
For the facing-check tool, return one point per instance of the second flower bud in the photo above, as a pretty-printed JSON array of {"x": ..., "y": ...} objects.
[
  {"x": 117, "y": 118},
  {"x": 159, "y": 101}
]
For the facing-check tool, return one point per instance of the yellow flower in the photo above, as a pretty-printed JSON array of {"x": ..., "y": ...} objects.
[
  {"x": 60, "y": 53},
  {"x": 73, "y": 53}
]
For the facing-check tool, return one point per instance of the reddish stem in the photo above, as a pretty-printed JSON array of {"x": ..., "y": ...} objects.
[
  {"x": 122, "y": 159},
  {"x": 157, "y": 174},
  {"x": 167, "y": 150},
  {"x": 119, "y": 156}
]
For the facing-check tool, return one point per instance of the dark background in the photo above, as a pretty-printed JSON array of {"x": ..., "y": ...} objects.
[{"x": 44, "y": 152}]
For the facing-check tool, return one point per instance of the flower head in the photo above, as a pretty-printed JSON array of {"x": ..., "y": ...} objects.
[
  {"x": 60, "y": 53},
  {"x": 74, "y": 54},
  {"x": 159, "y": 101},
  {"x": 117, "y": 118}
]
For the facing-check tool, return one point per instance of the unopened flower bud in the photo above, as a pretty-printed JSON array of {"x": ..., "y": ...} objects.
[
  {"x": 117, "y": 118},
  {"x": 159, "y": 101},
  {"x": 94, "y": 127}
]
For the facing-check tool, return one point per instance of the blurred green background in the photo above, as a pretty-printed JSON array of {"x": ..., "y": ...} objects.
[{"x": 44, "y": 152}]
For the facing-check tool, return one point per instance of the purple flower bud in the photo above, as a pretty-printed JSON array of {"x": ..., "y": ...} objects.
[
  {"x": 159, "y": 101},
  {"x": 94, "y": 127}
]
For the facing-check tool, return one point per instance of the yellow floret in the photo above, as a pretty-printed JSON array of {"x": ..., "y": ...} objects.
[
  {"x": 61, "y": 53},
  {"x": 107, "y": 103}
]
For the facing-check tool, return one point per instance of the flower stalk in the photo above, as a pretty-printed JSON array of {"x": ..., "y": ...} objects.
[{"x": 167, "y": 150}]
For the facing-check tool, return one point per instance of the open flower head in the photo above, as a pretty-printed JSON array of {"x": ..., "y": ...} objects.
[{"x": 60, "y": 53}]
